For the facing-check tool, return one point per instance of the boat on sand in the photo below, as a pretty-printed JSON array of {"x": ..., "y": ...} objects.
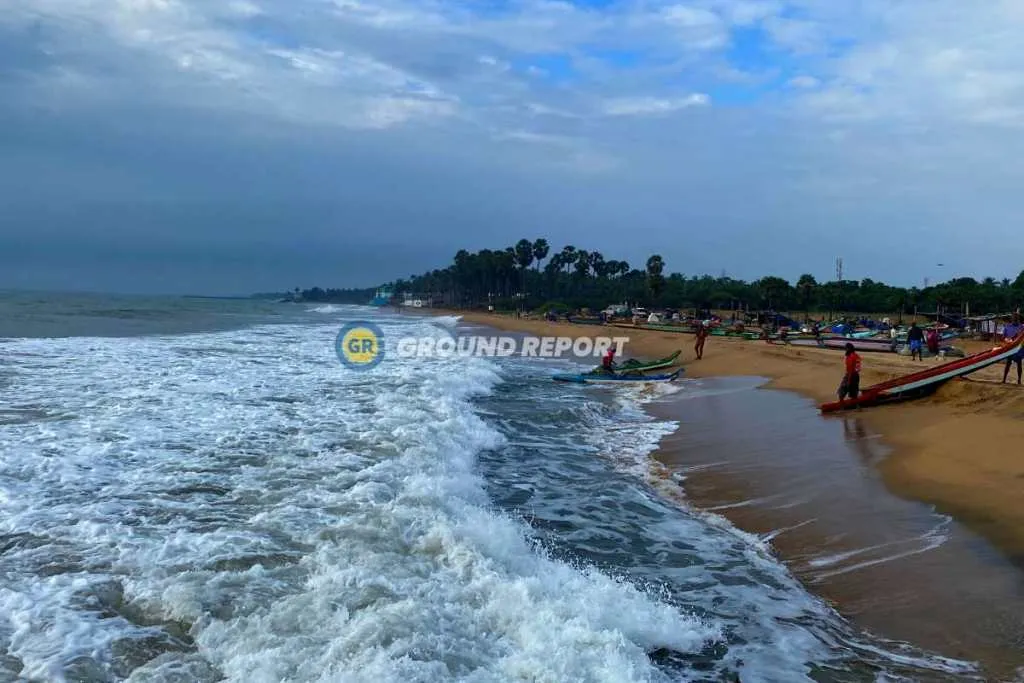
[
  {"x": 873, "y": 345},
  {"x": 918, "y": 384}
]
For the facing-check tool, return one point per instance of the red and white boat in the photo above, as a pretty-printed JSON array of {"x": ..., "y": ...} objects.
[{"x": 925, "y": 382}]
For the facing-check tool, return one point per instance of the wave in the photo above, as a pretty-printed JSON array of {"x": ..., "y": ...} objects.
[
  {"x": 269, "y": 515},
  {"x": 326, "y": 308}
]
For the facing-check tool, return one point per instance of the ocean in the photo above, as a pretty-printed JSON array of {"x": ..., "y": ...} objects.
[{"x": 198, "y": 490}]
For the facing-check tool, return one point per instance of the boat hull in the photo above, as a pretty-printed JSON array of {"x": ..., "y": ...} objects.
[
  {"x": 918, "y": 384},
  {"x": 869, "y": 345},
  {"x": 616, "y": 379}
]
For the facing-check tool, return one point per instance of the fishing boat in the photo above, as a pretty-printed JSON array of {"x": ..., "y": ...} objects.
[
  {"x": 632, "y": 376},
  {"x": 925, "y": 382},
  {"x": 634, "y": 364},
  {"x": 873, "y": 345}
]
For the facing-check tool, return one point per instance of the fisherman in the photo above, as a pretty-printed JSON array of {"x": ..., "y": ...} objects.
[
  {"x": 608, "y": 361},
  {"x": 1011, "y": 331},
  {"x": 933, "y": 341},
  {"x": 915, "y": 339},
  {"x": 702, "y": 335},
  {"x": 850, "y": 386}
]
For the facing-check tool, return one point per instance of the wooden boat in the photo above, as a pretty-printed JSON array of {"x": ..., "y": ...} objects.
[
  {"x": 922, "y": 383},
  {"x": 632, "y": 376}
]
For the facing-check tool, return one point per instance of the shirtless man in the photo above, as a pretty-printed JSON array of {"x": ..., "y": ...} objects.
[{"x": 702, "y": 335}]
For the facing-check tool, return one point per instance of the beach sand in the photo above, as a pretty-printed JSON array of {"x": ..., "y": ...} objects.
[{"x": 956, "y": 449}]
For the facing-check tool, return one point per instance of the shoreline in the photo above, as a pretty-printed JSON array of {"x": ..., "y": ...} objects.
[
  {"x": 951, "y": 450},
  {"x": 811, "y": 488}
]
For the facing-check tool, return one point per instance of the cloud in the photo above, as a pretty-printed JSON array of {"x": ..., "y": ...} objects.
[
  {"x": 803, "y": 82},
  {"x": 643, "y": 106},
  {"x": 782, "y": 126}
]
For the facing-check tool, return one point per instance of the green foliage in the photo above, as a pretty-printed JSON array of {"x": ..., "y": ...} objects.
[
  {"x": 578, "y": 278},
  {"x": 556, "y": 306}
]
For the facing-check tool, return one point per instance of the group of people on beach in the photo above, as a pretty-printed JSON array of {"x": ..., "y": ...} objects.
[{"x": 916, "y": 338}]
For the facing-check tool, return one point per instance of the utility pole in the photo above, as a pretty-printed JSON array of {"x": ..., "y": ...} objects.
[{"x": 839, "y": 284}]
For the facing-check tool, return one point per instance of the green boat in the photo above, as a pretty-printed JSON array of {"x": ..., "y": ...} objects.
[{"x": 642, "y": 366}]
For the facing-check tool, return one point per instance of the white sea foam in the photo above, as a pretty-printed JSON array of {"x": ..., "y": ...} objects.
[
  {"x": 297, "y": 520},
  {"x": 326, "y": 308}
]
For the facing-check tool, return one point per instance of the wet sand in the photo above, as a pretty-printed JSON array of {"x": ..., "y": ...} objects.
[
  {"x": 956, "y": 450},
  {"x": 767, "y": 462}
]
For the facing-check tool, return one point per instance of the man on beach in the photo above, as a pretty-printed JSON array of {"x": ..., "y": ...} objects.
[
  {"x": 702, "y": 335},
  {"x": 1011, "y": 330},
  {"x": 915, "y": 338},
  {"x": 850, "y": 386}
]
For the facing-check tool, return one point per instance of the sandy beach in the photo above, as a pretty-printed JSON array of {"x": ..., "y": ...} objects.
[{"x": 953, "y": 450}]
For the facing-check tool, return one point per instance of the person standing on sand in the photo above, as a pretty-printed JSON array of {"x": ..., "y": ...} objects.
[
  {"x": 1010, "y": 332},
  {"x": 850, "y": 386},
  {"x": 702, "y": 335},
  {"x": 915, "y": 338}
]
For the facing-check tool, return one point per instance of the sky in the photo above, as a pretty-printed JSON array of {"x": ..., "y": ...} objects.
[{"x": 258, "y": 145}]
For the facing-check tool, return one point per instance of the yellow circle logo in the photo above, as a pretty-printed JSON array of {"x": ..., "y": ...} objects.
[{"x": 360, "y": 345}]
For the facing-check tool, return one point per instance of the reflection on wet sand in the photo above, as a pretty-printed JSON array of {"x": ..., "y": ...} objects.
[{"x": 772, "y": 465}]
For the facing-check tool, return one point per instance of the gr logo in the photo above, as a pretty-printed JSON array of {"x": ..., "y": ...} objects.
[{"x": 360, "y": 345}]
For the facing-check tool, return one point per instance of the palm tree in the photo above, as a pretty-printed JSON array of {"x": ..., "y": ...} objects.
[
  {"x": 655, "y": 279},
  {"x": 524, "y": 258},
  {"x": 807, "y": 284},
  {"x": 540, "y": 251},
  {"x": 568, "y": 255},
  {"x": 582, "y": 264}
]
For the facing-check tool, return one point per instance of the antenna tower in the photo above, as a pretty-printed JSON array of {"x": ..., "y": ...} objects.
[{"x": 839, "y": 270}]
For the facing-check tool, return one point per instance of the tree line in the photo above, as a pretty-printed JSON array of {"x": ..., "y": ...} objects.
[{"x": 529, "y": 275}]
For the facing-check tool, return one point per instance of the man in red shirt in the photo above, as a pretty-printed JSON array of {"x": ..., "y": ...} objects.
[
  {"x": 608, "y": 362},
  {"x": 850, "y": 385}
]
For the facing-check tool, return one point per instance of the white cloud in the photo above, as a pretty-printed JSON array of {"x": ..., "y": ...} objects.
[
  {"x": 927, "y": 60},
  {"x": 748, "y": 12},
  {"x": 803, "y": 82},
  {"x": 646, "y": 106}
]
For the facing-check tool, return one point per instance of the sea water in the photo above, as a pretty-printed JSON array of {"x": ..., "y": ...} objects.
[{"x": 204, "y": 492}]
